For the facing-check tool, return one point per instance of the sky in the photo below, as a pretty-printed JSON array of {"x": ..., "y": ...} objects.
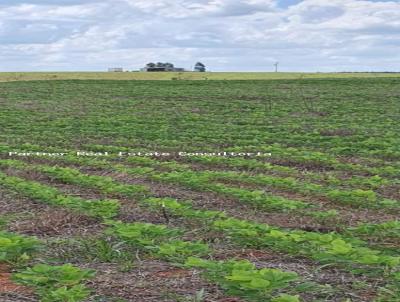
[{"x": 226, "y": 35}]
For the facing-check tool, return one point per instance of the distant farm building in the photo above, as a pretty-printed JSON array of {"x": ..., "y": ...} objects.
[
  {"x": 115, "y": 69},
  {"x": 161, "y": 67}
]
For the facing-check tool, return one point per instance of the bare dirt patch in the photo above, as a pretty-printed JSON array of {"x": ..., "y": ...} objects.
[
  {"x": 56, "y": 222},
  {"x": 11, "y": 203},
  {"x": 9, "y": 288},
  {"x": 153, "y": 281},
  {"x": 390, "y": 191}
]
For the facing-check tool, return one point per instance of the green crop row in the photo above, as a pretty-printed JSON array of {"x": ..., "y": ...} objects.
[
  {"x": 280, "y": 152},
  {"x": 368, "y": 182},
  {"x": 17, "y": 248},
  {"x": 371, "y": 182},
  {"x": 358, "y": 197},
  {"x": 389, "y": 229},
  {"x": 329, "y": 248},
  {"x": 63, "y": 283},
  {"x": 103, "y": 183},
  {"x": 295, "y": 156},
  {"x": 50, "y": 195},
  {"x": 73, "y": 176},
  {"x": 189, "y": 179},
  {"x": 203, "y": 180}
]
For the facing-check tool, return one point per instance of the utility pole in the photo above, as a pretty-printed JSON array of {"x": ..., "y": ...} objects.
[{"x": 276, "y": 66}]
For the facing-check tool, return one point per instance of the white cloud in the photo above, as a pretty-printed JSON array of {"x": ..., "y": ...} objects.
[
  {"x": 50, "y": 12},
  {"x": 200, "y": 8},
  {"x": 226, "y": 34}
]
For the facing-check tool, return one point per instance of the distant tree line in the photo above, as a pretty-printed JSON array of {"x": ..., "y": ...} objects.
[
  {"x": 200, "y": 67},
  {"x": 159, "y": 65}
]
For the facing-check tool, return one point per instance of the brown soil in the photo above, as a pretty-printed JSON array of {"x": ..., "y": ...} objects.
[
  {"x": 390, "y": 192},
  {"x": 8, "y": 286},
  {"x": 11, "y": 203},
  {"x": 56, "y": 222},
  {"x": 151, "y": 281}
]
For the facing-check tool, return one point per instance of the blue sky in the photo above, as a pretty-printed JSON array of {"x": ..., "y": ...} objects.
[{"x": 226, "y": 35}]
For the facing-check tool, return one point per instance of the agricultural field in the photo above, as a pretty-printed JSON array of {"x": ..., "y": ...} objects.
[
  {"x": 36, "y": 76},
  {"x": 273, "y": 188}
]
